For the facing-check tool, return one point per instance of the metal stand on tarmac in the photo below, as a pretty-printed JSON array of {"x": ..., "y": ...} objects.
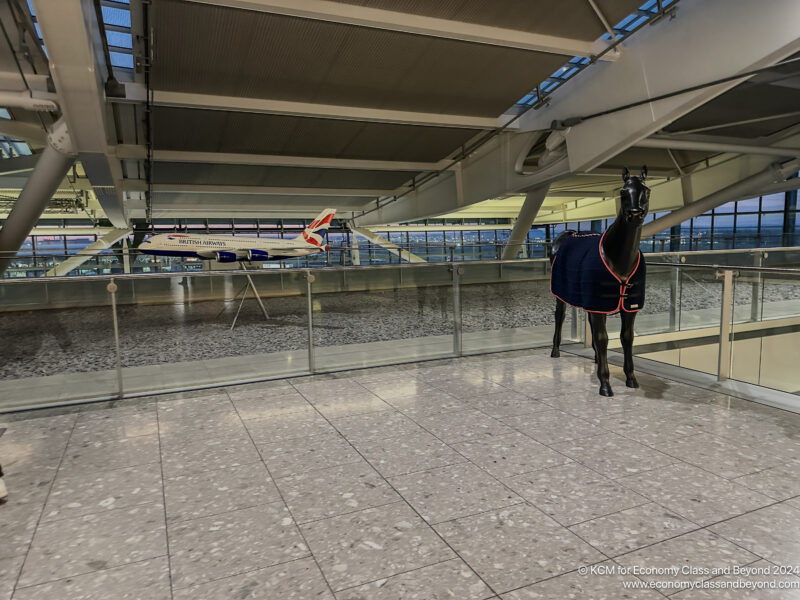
[{"x": 243, "y": 292}]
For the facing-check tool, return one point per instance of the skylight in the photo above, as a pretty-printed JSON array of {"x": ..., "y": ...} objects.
[
  {"x": 117, "y": 22},
  {"x": 576, "y": 64}
]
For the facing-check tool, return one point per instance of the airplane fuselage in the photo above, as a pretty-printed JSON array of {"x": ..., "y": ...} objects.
[{"x": 226, "y": 248}]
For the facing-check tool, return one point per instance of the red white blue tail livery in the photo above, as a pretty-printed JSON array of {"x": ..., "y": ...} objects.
[{"x": 231, "y": 248}]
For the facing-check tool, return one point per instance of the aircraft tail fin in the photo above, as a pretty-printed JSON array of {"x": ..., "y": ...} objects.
[{"x": 316, "y": 229}]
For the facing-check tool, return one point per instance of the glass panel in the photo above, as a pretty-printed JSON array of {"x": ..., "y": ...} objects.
[
  {"x": 765, "y": 351},
  {"x": 58, "y": 342},
  {"x": 382, "y": 316},
  {"x": 701, "y": 294},
  {"x": 508, "y": 306},
  {"x": 176, "y": 330}
]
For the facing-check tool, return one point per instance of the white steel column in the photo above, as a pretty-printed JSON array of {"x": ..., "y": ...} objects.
[
  {"x": 355, "y": 255},
  {"x": 527, "y": 215},
  {"x": 50, "y": 170},
  {"x": 386, "y": 244},
  {"x": 103, "y": 243}
]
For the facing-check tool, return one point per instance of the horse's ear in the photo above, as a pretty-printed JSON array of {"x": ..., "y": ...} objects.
[
  {"x": 644, "y": 172},
  {"x": 625, "y": 174}
]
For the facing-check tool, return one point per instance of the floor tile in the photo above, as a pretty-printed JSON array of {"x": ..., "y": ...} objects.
[
  {"x": 181, "y": 456},
  {"x": 443, "y": 581},
  {"x": 510, "y": 455},
  {"x": 75, "y": 494},
  {"x": 205, "y": 425},
  {"x": 288, "y": 426},
  {"x": 323, "y": 493},
  {"x": 409, "y": 454},
  {"x": 464, "y": 389},
  {"x": 294, "y": 456},
  {"x": 217, "y": 491},
  {"x": 761, "y": 574},
  {"x": 506, "y": 404},
  {"x": 114, "y": 427},
  {"x": 632, "y": 529},
  {"x": 552, "y": 426},
  {"x": 30, "y": 483},
  {"x": 516, "y": 546},
  {"x": 700, "y": 552},
  {"x": 193, "y": 405},
  {"x": 587, "y": 404},
  {"x": 779, "y": 482},
  {"x": 602, "y": 582},
  {"x": 112, "y": 454},
  {"x": 640, "y": 426},
  {"x": 373, "y": 544},
  {"x": 260, "y": 408},
  {"x": 210, "y": 548},
  {"x": 375, "y": 426},
  {"x": 17, "y": 526},
  {"x": 697, "y": 495},
  {"x": 613, "y": 455},
  {"x": 390, "y": 390},
  {"x": 719, "y": 455},
  {"x": 71, "y": 547},
  {"x": 572, "y": 493},
  {"x": 344, "y": 405},
  {"x": 430, "y": 403},
  {"x": 295, "y": 580},
  {"x": 9, "y": 571},
  {"x": 145, "y": 580},
  {"x": 462, "y": 425},
  {"x": 772, "y": 532},
  {"x": 453, "y": 491}
]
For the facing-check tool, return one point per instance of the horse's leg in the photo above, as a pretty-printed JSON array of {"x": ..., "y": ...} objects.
[
  {"x": 561, "y": 309},
  {"x": 600, "y": 337},
  {"x": 591, "y": 331},
  {"x": 626, "y": 337}
]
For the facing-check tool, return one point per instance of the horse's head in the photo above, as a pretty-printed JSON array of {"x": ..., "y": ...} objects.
[{"x": 634, "y": 197}]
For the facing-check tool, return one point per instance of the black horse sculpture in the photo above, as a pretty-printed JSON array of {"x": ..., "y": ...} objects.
[{"x": 604, "y": 274}]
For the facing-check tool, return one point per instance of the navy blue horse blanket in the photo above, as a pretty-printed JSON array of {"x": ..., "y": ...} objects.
[{"x": 581, "y": 278}]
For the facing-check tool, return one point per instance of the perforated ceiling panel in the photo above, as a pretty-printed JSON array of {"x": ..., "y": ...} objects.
[
  {"x": 224, "y": 51},
  {"x": 745, "y": 102},
  {"x": 210, "y": 174},
  {"x": 247, "y": 133}
]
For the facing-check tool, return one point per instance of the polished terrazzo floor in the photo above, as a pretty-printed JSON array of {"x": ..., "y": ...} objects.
[{"x": 500, "y": 476}]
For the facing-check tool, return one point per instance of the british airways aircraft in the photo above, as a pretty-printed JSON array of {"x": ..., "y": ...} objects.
[{"x": 230, "y": 248}]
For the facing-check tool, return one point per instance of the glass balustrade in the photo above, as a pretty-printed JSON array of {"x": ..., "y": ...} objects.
[{"x": 177, "y": 331}]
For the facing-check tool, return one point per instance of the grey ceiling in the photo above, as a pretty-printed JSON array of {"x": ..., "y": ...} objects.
[
  {"x": 249, "y": 133},
  {"x": 204, "y": 174},
  {"x": 215, "y": 50}
]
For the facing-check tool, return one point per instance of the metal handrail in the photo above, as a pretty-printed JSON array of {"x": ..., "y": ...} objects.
[{"x": 725, "y": 267}]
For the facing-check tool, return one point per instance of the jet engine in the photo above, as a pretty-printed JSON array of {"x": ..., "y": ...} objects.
[
  {"x": 226, "y": 257},
  {"x": 257, "y": 255}
]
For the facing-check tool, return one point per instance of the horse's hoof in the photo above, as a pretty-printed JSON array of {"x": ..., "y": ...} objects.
[
  {"x": 631, "y": 382},
  {"x": 555, "y": 353},
  {"x": 605, "y": 390}
]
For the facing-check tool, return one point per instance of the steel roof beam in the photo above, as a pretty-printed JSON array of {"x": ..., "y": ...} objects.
[
  {"x": 136, "y": 93},
  {"x": 677, "y": 143},
  {"x": 73, "y": 39},
  {"x": 128, "y": 151},
  {"x": 653, "y": 64},
  {"x": 138, "y": 185},
  {"x": 362, "y": 16}
]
